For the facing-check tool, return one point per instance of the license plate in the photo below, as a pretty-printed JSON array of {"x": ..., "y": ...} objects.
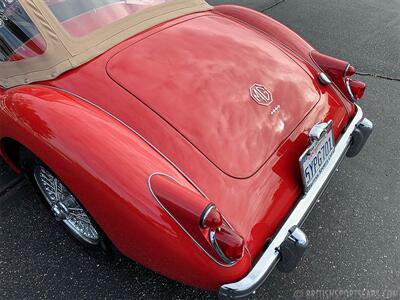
[{"x": 315, "y": 159}]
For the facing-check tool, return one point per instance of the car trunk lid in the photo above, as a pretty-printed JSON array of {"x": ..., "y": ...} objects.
[{"x": 200, "y": 76}]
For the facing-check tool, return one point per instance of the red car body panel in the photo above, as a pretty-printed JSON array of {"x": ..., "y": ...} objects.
[
  {"x": 203, "y": 92},
  {"x": 190, "y": 111}
]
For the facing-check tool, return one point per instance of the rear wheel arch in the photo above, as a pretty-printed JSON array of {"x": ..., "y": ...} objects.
[
  {"x": 16, "y": 153},
  {"x": 19, "y": 157},
  {"x": 11, "y": 149}
]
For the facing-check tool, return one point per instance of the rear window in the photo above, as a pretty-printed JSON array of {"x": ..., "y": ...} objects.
[
  {"x": 19, "y": 37},
  {"x": 82, "y": 17}
]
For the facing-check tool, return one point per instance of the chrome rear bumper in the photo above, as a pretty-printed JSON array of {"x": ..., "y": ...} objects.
[{"x": 351, "y": 141}]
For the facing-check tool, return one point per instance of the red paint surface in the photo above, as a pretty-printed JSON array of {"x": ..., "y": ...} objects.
[
  {"x": 203, "y": 91},
  {"x": 107, "y": 166}
]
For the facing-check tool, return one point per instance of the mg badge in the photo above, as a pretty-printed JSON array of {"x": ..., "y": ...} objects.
[{"x": 261, "y": 94}]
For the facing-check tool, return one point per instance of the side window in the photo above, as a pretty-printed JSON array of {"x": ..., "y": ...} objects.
[{"x": 19, "y": 37}]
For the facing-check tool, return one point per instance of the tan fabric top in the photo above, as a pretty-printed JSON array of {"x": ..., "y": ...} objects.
[{"x": 65, "y": 52}]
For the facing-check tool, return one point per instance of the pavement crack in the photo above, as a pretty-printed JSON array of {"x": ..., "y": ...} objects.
[
  {"x": 378, "y": 76},
  {"x": 272, "y": 6},
  {"x": 12, "y": 184}
]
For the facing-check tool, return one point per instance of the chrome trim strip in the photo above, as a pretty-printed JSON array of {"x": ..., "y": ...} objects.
[
  {"x": 347, "y": 84},
  {"x": 205, "y": 213},
  {"x": 345, "y": 70},
  {"x": 131, "y": 129},
  {"x": 348, "y": 88},
  {"x": 177, "y": 222},
  {"x": 270, "y": 257},
  {"x": 218, "y": 249}
]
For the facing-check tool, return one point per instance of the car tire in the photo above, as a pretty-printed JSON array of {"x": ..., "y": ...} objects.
[{"x": 64, "y": 206}]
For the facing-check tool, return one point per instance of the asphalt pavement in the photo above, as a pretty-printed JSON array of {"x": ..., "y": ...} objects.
[{"x": 353, "y": 230}]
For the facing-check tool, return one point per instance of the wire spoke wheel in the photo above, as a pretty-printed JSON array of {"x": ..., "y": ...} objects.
[{"x": 65, "y": 207}]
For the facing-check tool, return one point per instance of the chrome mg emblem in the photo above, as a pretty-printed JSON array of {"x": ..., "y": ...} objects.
[{"x": 261, "y": 94}]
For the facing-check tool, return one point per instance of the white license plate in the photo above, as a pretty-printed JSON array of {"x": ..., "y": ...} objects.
[{"x": 315, "y": 159}]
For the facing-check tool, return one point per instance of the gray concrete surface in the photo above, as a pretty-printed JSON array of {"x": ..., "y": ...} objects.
[{"x": 354, "y": 229}]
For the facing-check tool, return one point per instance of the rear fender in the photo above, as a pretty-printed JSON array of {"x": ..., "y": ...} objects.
[
  {"x": 107, "y": 166},
  {"x": 270, "y": 27},
  {"x": 286, "y": 37}
]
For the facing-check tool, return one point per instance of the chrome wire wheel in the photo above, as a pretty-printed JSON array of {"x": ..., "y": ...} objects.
[{"x": 65, "y": 207}]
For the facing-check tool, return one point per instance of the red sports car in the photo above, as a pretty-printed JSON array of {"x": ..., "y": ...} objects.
[{"x": 193, "y": 139}]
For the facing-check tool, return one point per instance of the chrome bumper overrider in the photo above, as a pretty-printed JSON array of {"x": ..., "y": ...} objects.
[{"x": 352, "y": 141}]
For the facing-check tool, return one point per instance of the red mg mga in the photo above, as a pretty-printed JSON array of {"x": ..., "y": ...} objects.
[{"x": 192, "y": 139}]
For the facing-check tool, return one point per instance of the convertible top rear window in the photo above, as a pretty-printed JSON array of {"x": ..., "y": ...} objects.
[
  {"x": 19, "y": 37},
  {"x": 81, "y": 17}
]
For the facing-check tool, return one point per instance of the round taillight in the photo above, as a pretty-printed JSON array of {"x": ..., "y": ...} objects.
[
  {"x": 211, "y": 218},
  {"x": 228, "y": 244}
]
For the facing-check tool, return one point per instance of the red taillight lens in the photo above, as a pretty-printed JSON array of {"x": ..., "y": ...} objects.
[
  {"x": 228, "y": 244},
  {"x": 211, "y": 218},
  {"x": 357, "y": 88},
  {"x": 350, "y": 71},
  {"x": 340, "y": 71}
]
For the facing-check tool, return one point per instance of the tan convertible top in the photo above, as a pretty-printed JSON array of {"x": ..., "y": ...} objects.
[{"x": 65, "y": 52}]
